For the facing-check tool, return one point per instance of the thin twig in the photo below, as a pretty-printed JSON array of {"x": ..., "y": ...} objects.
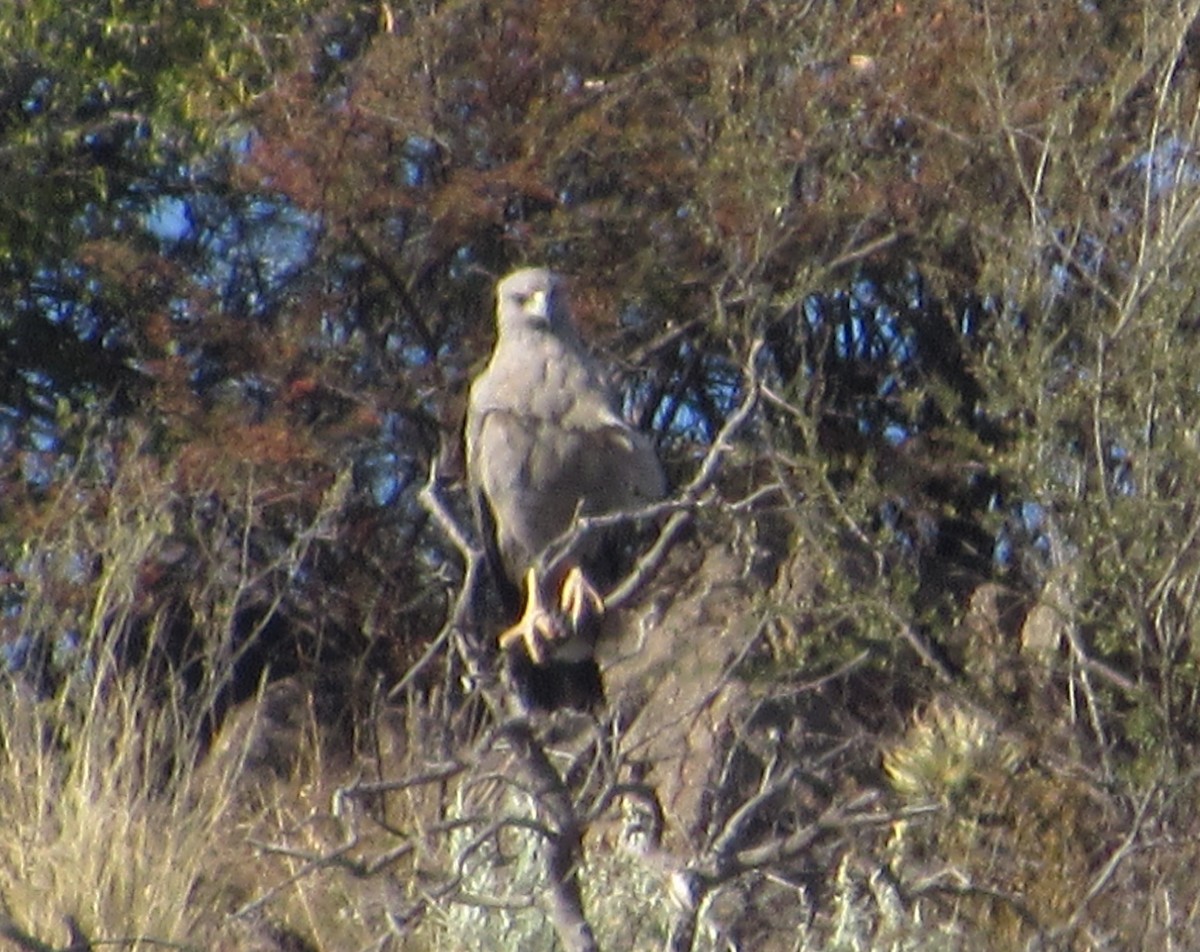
[
  {"x": 460, "y": 615},
  {"x": 437, "y": 774},
  {"x": 1106, "y": 873},
  {"x": 564, "y": 899},
  {"x": 681, "y": 507}
]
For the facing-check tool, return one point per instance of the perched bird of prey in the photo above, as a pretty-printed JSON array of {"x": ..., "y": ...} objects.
[{"x": 545, "y": 442}]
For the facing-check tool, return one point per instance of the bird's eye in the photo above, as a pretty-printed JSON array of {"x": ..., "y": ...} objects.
[{"x": 535, "y": 304}]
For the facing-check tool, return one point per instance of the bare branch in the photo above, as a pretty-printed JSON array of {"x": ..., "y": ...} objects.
[
  {"x": 1106, "y": 873},
  {"x": 680, "y": 509},
  {"x": 435, "y": 774},
  {"x": 459, "y": 619},
  {"x": 564, "y": 901}
]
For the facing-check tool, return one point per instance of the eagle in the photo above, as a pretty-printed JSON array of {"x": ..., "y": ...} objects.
[{"x": 545, "y": 444}]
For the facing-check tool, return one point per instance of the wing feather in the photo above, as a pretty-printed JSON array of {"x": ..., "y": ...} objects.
[{"x": 545, "y": 440}]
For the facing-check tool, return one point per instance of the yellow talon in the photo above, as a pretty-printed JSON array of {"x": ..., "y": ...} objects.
[
  {"x": 537, "y": 626},
  {"x": 579, "y": 598}
]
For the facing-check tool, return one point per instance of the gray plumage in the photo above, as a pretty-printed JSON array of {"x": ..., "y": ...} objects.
[{"x": 545, "y": 440}]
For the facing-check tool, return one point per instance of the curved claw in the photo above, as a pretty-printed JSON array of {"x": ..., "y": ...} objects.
[
  {"x": 537, "y": 627},
  {"x": 579, "y": 598}
]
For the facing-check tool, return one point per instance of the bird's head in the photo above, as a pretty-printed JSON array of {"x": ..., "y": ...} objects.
[{"x": 532, "y": 298}]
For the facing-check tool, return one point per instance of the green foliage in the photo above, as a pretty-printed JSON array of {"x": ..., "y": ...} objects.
[
  {"x": 98, "y": 93},
  {"x": 1000, "y": 201}
]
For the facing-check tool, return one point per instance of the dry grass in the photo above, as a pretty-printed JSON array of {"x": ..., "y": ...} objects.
[{"x": 106, "y": 821}]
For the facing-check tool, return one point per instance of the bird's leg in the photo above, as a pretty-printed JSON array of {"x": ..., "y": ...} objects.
[
  {"x": 537, "y": 626},
  {"x": 579, "y": 598}
]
